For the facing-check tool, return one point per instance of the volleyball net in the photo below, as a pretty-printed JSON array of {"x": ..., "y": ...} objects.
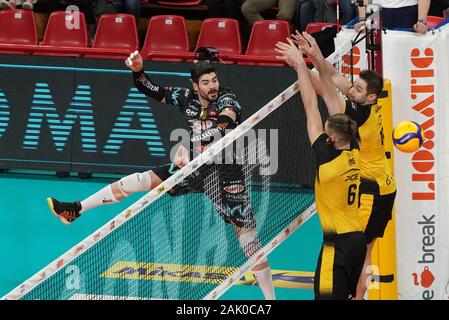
[{"x": 175, "y": 242}]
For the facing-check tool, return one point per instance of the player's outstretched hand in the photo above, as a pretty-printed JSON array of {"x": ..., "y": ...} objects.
[
  {"x": 307, "y": 45},
  {"x": 289, "y": 53},
  {"x": 134, "y": 61}
]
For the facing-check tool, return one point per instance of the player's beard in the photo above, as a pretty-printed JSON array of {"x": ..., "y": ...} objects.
[
  {"x": 212, "y": 92},
  {"x": 357, "y": 101}
]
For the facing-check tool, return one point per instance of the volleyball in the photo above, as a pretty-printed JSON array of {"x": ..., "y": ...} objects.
[{"x": 408, "y": 136}]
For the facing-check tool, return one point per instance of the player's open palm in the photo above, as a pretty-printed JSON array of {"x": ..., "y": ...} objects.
[
  {"x": 134, "y": 61},
  {"x": 307, "y": 44},
  {"x": 289, "y": 53}
]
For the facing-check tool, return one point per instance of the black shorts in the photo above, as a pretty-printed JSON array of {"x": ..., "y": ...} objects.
[
  {"x": 375, "y": 210},
  {"x": 232, "y": 202},
  {"x": 339, "y": 266}
]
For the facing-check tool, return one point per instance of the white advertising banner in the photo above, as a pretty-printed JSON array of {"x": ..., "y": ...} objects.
[
  {"x": 418, "y": 69},
  {"x": 443, "y": 89}
]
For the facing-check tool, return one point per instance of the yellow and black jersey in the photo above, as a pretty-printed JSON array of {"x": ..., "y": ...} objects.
[
  {"x": 373, "y": 162},
  {"x": 336, "y": 186}
]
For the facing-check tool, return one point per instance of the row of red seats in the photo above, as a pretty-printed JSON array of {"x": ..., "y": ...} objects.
[
  {"x": 181, "y": 3},
  {"x": 116, "y": 37},
  {"x": 178, "y": 3}
]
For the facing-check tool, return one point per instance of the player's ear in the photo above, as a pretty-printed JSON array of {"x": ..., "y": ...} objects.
[
  {"x": 195, "y": 86},
  {"x": 372, "y": 97}
]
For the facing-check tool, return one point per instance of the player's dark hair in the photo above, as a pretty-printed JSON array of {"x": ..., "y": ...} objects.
[
  {"x": 342, "y": 124},
  {"x": 200, "y": 68},
  {"x": 374, "y": 81}
]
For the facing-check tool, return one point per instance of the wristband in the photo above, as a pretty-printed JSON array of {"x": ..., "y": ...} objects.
[{"x": 423, "y": 21}]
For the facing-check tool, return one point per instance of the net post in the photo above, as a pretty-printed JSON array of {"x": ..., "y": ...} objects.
[{"x": 374, "y": 41}]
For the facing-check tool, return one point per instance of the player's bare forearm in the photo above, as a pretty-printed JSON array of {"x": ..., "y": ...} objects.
[
  {"x": 362, "y": 11},
  {"x": 316, "y": 82},
  {"x": 310, "y": 102},
  {"x": 325, "y": 70},
  {"x": 308, "y": 94},
  {"x": 329, "y": 94},
  {"x": 322, "y": 65},
  {"x": 342, "y": 83},
  {"x": 423, "y": 9},
  {"x": 294, "y": 58}
]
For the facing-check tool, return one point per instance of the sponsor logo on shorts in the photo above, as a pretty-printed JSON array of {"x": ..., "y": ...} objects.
[
  {"x": 239, "y": 197},
  {"x": 234, "y": 188}
]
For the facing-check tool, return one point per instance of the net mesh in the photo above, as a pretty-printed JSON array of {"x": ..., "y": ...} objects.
[{"x": 176, "y": 242}]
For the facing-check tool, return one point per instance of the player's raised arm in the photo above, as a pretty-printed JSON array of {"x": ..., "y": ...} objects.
[
  {"x": 323, "y": 66},
  {"x": 293, "y": 57},
  {"x": 142, "y": 81},
  {"x": 327, "y": 74}
]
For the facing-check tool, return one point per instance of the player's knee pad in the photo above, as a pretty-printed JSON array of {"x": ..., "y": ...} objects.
[
  {"x": 249, "y": 242},
  {"x": 136, "y": 182}
]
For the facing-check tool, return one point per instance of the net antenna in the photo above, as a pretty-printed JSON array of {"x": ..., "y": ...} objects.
[
  {"x": 372, "y": 34},
  {"x": 337, "y": 4}
]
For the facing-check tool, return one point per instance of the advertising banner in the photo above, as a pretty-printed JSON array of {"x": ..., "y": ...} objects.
[
  {"x": 85, "y": 115},
  {"x": 418, "y": 72}
]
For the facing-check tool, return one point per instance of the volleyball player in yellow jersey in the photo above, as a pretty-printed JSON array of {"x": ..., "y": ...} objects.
[
  {"x": 377, "y": 184},
  {"x": 336, "y": 187}
]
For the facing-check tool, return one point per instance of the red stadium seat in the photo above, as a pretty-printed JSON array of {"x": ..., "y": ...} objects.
[
  {"x": 220, "y": 33},
  {"x": 313, "y": 27},
  {"x": 433, "y": 21},
  {"x": 264, "y": 36},
  {"x": 166, "y": 33},
  {"x": 17, "y": 27},
  {"x": 116, "y": 31},
  {"x": 181, "y": 3},
  {"x": 141, "y": 1},
  {"x": 65, "y": 29}
]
